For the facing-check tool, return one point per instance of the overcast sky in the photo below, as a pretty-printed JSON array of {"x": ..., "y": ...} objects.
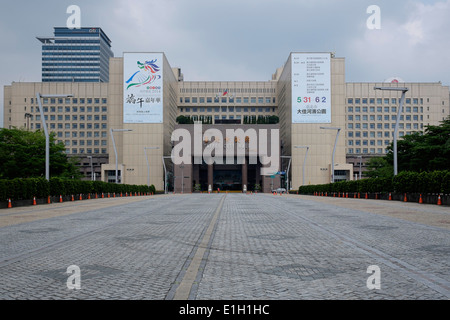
[{"x": 242, "y": 40}]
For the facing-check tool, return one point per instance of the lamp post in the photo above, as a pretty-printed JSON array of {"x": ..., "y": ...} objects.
[
  {"x": 334, "y": 149},
  {"x": 47, "y": 138},
  {"x": 165, "y": 172},
  {"x": 115, "y": 149},
  {"x": 287, "y": 172},
  {"x": 148, "y": 165},
  {"x": 304, "y": 162},
  {"x": 402, "y": 99},
  {"x": 92, "y": 168},
  {"x": 360, "y": 166}
]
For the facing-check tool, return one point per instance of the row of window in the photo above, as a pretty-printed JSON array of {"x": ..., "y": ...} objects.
[
  {"x": 68, "y": 126},
  {"x": 78, "y": 69},
  {"x": 385, "y": 109},
  {"x": 82, "y": 134},
  {"x": 366, "y": 151},
  {"x": 71, "y": 53},
  {"x": 385, "y": 118},
  {"x": 384, "y": 100},
  {"x": 259, "y": 100},
  {"x": 88, "y": 151},
  {"x": 70, "y": 100},
  {"x": 217, "y": 117},
  {"x": 227, "y": 109},
  {"x": 371, "y": 134},
  {"x": 414, "y": 126},
  {"x": 68, "y": 109},
  {"x": 73, "y": 118},
  {"x": 56, "y": 47},
  {"x": 226, "y": 91},
  {"x": 85, "y": 142}
]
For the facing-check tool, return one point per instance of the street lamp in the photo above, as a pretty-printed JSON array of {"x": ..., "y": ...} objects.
[
  {"x": 115, "y": 149},
  {"x": 360, "y": 161},
  {"x": 334, "y": 149},
  {"x": 92, "y": 168},
  {"x": 148, "y": 165},
  {"x": 402, "y": 99},
  {"x": 287, "y": 171},
  {"x": 304, "y": 162},
  {"x": 47, "y": 138},
  {"x": 165, "y": 172}
]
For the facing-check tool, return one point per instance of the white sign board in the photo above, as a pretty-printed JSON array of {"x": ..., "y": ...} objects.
[
  {"x": 143, "y": 88},
  {"x": 311, "y": 87}
]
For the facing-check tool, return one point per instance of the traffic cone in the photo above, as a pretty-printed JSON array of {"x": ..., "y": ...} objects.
[
  {"x": 72, "y": 198},
  {"x": 103, "y": 195},
  {"x": 34, "y": 201},
  {"x": 96, "y": 196},
  {"x": 420, "y": 199},
  {"x": 404, "y": 199},
  {"x": 9, "y": 203},
  {"x": 60, "y": 198},
  {"x": 81, "y": 198},
  {"x": 89, "y": 196},
  {"x": 390, "y": 196},
  {"x": 48, "y": 200},
  {"x": 439, "y": 201}
]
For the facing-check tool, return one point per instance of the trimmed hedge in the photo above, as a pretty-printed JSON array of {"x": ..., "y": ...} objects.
[
  {"x": 23, "y": 189},
  {"x": 404, "y": 182}
]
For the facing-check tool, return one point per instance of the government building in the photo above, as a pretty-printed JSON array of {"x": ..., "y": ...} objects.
[{"x": 146, "y": 125}]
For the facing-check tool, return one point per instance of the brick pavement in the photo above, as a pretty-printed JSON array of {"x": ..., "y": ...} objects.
[{"x": 225, "y": 246}]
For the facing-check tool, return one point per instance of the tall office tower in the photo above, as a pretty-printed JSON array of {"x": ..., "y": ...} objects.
[{"x": 76, "y": 55}]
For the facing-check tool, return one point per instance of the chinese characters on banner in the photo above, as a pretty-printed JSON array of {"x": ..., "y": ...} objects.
[
  {"x": 143, "y": 88},
  {"x": 311, "y": 87}
]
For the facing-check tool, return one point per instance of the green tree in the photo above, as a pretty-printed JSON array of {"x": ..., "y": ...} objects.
[
  {"x": 424, "y": 152},
  {"x": 22, "y": 155},
  {"x": 379, "y": 167}
]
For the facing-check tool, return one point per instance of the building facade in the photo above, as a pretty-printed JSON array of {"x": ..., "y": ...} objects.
[
  {"x": 76, "y": 55},
  {"x": 149, "y": 126}
]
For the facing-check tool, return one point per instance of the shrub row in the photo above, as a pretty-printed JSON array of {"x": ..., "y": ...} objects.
[
  {"x": 23, "y": 189},
  {"x": 404, "y": 182}
]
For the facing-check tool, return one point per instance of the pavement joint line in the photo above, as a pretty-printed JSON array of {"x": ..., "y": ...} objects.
[
  {"x": 432, "y": 281},
  {"x": 191, "y": 275},
  {"x": 65, "y": 210},
  {"x": 25, "y": 255}
]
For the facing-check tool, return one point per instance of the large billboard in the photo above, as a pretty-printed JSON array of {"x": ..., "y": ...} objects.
[
  {"x": 143, "y": 87},
  {"x": 311, "y": 87}
]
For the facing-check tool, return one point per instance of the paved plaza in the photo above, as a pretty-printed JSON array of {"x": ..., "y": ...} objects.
[{"x": 226, "y": 247}]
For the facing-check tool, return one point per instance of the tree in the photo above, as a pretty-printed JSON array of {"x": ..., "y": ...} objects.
[
  {"x": 22, "y": 155},
  {"x": 424, "y": 152},
  {"x": 379, "y": 167}
]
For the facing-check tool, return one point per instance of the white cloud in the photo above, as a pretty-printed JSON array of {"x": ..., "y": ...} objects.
[{"x": 415, "y": 49}]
